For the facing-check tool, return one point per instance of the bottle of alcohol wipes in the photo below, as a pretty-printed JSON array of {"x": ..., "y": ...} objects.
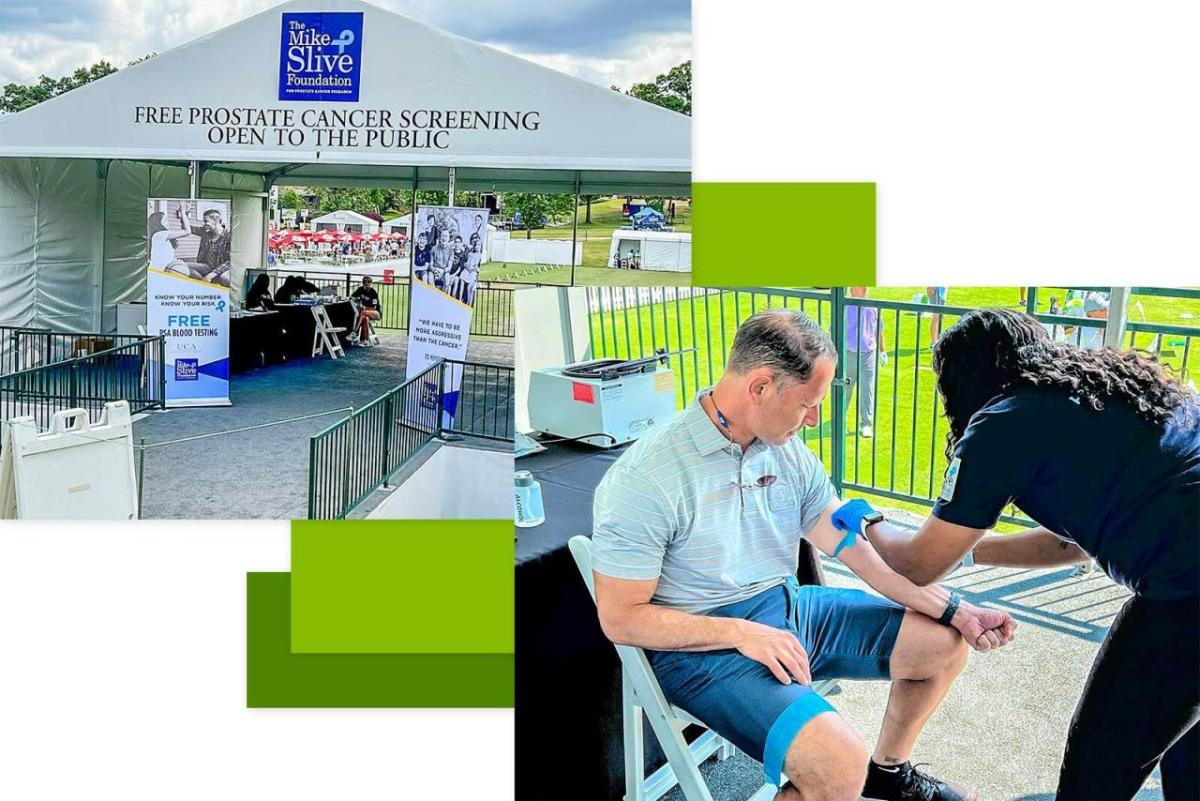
[{"x": 528, "y": 511}]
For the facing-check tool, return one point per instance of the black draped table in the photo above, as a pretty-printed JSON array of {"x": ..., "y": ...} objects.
[
  {"x": 568, "y": 694},
  {"x": 262, "y": 338}
]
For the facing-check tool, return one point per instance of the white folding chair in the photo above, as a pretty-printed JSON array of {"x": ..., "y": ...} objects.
[
  {"x": 640, "y": 695},
  {"x": 325, "y": 335}
]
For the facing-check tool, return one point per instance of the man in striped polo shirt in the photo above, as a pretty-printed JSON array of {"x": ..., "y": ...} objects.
[{"x": 696, "y": 546}]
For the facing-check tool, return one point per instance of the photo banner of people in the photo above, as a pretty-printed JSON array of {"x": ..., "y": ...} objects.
[
  {"x": 187, "y": 296},
  {"x": 447, "y": 255}
]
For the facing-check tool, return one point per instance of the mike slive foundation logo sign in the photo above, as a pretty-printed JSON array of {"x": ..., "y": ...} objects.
[{"x": 320, "y": 57}]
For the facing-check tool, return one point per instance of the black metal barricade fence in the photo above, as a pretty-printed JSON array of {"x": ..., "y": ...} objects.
[{"x": 132, "y": 372}]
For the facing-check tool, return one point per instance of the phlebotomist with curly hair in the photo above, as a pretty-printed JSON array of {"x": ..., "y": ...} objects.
[{"x": 1133, "y": 504}]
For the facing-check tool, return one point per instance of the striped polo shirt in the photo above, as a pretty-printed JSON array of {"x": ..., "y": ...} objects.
[{"x": 686, "y": 506}]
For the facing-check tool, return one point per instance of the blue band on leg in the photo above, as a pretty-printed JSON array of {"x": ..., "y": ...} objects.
[
  {"x": 785, "y": 728},
  {"x": 847, "y": 542}
]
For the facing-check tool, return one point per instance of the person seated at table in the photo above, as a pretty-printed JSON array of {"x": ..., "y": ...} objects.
[
  {"x": 700, "y": 570},
  {"x": 369, "y": 309},
  {"x": 292, "y": 286},
  {"x": 259, "y": 296}
]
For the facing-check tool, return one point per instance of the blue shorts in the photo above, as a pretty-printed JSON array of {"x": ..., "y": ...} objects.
[{"x": 848, "y": 634}]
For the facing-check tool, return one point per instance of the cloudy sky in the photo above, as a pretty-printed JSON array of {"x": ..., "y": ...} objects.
[{"x": 604, "y": 41}]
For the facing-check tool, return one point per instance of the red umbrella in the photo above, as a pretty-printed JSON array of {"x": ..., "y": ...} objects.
[
  {"x": 378, "y": 235},
  {"x": 396, "y": 236},
  {"x": 326, "y": 236}
]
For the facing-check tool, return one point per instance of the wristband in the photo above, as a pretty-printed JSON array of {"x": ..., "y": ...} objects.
[{"x": 951, "y": 608}]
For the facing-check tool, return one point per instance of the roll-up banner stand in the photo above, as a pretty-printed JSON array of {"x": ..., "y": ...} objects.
[
  {"x": 448, "y": 250},
  {"x": 187, "y": 296}
]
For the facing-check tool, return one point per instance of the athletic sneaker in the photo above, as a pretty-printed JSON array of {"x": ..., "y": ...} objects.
[
  {"x": 867, "y": 432},
  {"x": 907, "y": 783}
]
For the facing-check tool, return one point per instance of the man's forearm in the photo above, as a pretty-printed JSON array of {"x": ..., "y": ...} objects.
[
  {"x": 1036, "y": 548},
  {"x": 663, "y": 629}
]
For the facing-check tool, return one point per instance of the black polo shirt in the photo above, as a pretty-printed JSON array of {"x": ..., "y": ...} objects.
[{"x": 1125, "y": 490}]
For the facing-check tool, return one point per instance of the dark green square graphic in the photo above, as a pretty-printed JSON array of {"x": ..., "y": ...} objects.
[{"x": 277, "y": 678}]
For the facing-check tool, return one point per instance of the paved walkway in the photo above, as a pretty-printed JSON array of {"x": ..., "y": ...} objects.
[
  {"x": 1003, "y": 725},
  {"x": 263, "y": 473}
]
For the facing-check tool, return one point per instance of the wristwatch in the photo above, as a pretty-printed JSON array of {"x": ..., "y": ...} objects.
[
  {"x": 871, "y": 518},
  {"x": 951, "y": 608}
]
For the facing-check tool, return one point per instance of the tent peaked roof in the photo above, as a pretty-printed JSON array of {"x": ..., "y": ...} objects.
[{"x": 218, "y": 99}]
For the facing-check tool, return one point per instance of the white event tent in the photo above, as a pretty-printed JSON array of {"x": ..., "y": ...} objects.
[
  {"x": 345, "y": 220},
  {"x": 396, "y": 225},
  {"x": 654, "y": 250},
  {"x": 206, "y": 119}
]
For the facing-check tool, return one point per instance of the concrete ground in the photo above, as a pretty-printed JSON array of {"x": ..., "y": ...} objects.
[
  {"x": 1003, "y": 725},
  {"x": 263, "y": 473}
]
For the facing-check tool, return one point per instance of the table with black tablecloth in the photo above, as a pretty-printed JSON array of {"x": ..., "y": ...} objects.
[
  {"x": 262, "y": 338},
  {"x": 568, "y": 695}
]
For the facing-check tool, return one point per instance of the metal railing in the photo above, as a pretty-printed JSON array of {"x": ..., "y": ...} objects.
[
  {"x": 354, "y": 457},
  {"x": 26, "y": 347},
  {"x": 132, "y": 372},
  {"x": 494, "y": 315},
  {"x": 904, "y": 458},
  {"x": 484, "y": 404}
]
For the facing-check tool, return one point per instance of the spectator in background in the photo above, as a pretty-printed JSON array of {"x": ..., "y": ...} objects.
[
  {"x": 862, "y": 323},
  {"x": 1073, "y": 307},
  {"x": 259, "y": 296},
  {"x": 935, "y": 296},
  {"x": 369, "y": 310},
  {"x": 1053, "y": 329},
  {"x": 1095, "y": 307}
]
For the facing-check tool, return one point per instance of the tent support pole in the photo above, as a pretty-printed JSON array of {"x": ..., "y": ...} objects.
[
  {"x": 193, "y": 179},
  {"x": 450, "y": 187},
  {"x": 412, "y": 248},
  {"x": 268, "y": 183},
  {"x": 101, "y": 223},
  {"x": 574, "y": 227}
]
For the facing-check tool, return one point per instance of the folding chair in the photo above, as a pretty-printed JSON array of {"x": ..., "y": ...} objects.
[
  {"x": 325, "y": 335},
  {"x": 640, "y": 693}
]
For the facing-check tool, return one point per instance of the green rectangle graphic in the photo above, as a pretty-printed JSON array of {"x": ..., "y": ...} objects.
[
  {"x": 783, "y": 234},
  {"x": 402, "y": 587},
  {"x": 277, "y": 678}
]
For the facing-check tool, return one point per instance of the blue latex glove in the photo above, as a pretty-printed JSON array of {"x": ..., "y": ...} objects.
[{"x": 849, "y": 516}]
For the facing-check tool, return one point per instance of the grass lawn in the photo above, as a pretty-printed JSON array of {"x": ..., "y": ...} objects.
[
  {"x": 596, "y": 237},
  {"x": 905, "y": 455}
]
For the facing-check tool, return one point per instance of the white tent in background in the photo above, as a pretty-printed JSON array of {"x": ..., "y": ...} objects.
[
  {"x": 211, "y": 116},
  {"x": 396, "y": 225},
  {"x": 345, "y": 220},
  {"x": 652, "y": 250}
]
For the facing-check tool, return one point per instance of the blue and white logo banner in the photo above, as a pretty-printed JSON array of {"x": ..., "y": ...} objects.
[
  {"x": 320, "y": 56},
  {"x": 187, "y": 298}
]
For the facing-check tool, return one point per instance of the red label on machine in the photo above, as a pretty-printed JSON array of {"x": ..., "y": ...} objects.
[{"x": 584, "y": 393}]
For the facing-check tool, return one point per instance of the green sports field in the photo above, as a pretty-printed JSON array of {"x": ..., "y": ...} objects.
[
  {"x": 595, "y": 236},
  {"x": 905, "y": 455}
]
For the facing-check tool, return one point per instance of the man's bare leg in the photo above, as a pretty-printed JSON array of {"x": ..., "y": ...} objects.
[
  {"x": 927, "y": 658},
  {"x": 827, "y": 761}
]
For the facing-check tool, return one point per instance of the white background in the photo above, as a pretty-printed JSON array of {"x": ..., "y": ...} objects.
[
  {"x": 1021, "y": 142},
  {"x": 122, "y": 675}
]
